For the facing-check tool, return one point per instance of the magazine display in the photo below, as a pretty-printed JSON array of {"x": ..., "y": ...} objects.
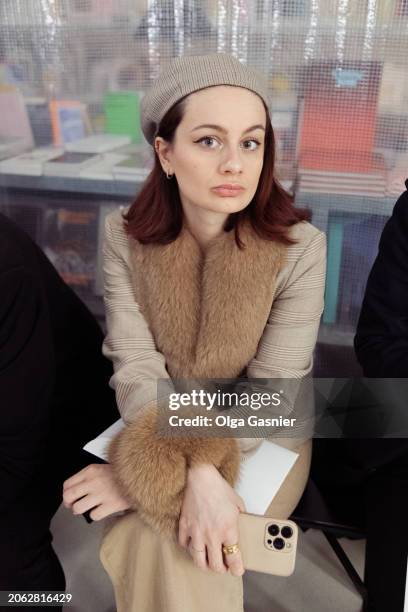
[
  {"x": 31, "y": 163},
  {"x": 70, "y": 164}
]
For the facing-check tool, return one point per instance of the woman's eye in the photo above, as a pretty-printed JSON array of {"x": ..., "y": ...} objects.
[
  {"x": 256, "y": 144},
  {"x": 206, "y": 140},
  {"x": 209, "y": 141}
]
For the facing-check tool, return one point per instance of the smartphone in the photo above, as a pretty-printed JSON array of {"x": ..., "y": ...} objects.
[{"x": 267, "y": 545}]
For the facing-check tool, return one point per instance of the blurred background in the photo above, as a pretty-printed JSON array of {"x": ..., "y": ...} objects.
[{"x": 72, "y": 73}]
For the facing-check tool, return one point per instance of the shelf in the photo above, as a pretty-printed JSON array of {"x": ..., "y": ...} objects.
[
  {"x": 118, "y": 189},
  {"x": 128, "y": 189}
]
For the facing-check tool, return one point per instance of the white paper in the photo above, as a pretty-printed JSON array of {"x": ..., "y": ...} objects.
[
  {"x": 261, "y": 474},
  {"x": 99, "y": 446}
]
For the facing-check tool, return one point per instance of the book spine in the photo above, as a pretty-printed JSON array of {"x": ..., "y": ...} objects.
[
  {"x": 55, "y": 124},
  {"x": 334, "y": 250}
]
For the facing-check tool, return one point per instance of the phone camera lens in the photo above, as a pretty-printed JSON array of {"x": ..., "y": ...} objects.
[
  {"x": 279, "y": 543},
  {"x": 273, "y": 530},
  {"x": 287, "y": 531}
]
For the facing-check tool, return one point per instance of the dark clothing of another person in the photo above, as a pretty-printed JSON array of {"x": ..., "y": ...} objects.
[
  {"x": 381, "y": 341},
  {"x": 366, "y": 480},
  {"x": 54, "y": 398}
]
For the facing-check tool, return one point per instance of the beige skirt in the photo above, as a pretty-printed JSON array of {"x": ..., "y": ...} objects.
[{"x": 150, "y": 573}]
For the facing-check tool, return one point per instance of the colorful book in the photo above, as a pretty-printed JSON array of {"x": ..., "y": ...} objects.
[
  {"x": 338, "y": 118},
  {"x": 359, "y": 249},
  {"x": 40, "y": 120},
  {"x": 68, "y": 120},
  {"x": 334, "y": 251},
  {"x": 122, "y": 114}
]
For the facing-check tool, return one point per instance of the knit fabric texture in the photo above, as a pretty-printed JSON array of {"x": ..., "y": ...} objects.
[{"x": 186, "y": 74}]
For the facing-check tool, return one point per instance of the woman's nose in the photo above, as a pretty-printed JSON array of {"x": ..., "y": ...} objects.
[{"x": 232, "y": 161}]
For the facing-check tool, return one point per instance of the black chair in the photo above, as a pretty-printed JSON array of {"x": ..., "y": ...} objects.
[{"x": 313, "y": 510}]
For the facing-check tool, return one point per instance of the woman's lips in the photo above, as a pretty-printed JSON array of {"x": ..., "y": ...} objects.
[{"x": 228, "y": 192}]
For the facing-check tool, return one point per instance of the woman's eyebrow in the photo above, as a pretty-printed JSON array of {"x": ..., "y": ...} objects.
[{"x": 212, "y": 126}]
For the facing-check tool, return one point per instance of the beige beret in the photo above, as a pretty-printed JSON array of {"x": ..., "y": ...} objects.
[{"x": 189, "y": 73}]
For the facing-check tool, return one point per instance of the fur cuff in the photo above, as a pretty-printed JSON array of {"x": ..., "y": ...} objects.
[{"x": 151, "y": 470}]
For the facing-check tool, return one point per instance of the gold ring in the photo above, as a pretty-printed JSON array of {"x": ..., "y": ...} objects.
[{"x": 230, "y": 549}]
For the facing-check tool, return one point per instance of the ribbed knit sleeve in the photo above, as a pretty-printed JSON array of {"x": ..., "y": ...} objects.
[
  {"x": 287, "y": 344},
  {"x": 286, "y": 348},
  {"x": 129, "y": 343}
]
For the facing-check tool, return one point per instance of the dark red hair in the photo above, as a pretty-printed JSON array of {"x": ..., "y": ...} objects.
[{"x": 156, "y": 215}]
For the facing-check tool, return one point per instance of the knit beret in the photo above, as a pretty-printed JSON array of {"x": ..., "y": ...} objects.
[{"x": 189, "y": 73}]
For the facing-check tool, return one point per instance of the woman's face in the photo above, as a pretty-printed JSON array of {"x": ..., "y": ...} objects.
[{"x": 218, "y": 144}]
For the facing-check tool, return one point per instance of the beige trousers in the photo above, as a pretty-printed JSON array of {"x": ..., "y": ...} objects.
[{"x": 154, "y": 574}]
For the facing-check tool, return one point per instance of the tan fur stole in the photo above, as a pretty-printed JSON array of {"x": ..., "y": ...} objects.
[{"x": 207, "y": 315}]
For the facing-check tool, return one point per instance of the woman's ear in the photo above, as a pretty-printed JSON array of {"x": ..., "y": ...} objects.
[{"x": 162, "y": 149}]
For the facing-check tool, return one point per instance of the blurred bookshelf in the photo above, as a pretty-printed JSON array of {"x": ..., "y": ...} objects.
[{"x": 29, "y": 200}]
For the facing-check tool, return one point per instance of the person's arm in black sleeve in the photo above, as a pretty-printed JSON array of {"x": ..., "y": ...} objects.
[
  {"x": 26, "y": 379},
  {"x": 381, "y": 342}
]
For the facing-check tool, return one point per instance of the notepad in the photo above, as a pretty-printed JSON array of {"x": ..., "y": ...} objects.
[
  {"x": 99, "y": 445},
  {"x": 261, "y": 473}
]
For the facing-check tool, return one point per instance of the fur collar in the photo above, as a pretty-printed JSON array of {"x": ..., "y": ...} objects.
[{"x": 207, "y": 313}]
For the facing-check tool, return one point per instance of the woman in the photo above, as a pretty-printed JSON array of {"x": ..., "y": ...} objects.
[{"x": 211, "y": 273}]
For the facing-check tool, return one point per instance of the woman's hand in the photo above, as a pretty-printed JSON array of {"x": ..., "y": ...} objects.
[
  {"x": 209, "y": 519},
  {"x": 94, "y": 487}
]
